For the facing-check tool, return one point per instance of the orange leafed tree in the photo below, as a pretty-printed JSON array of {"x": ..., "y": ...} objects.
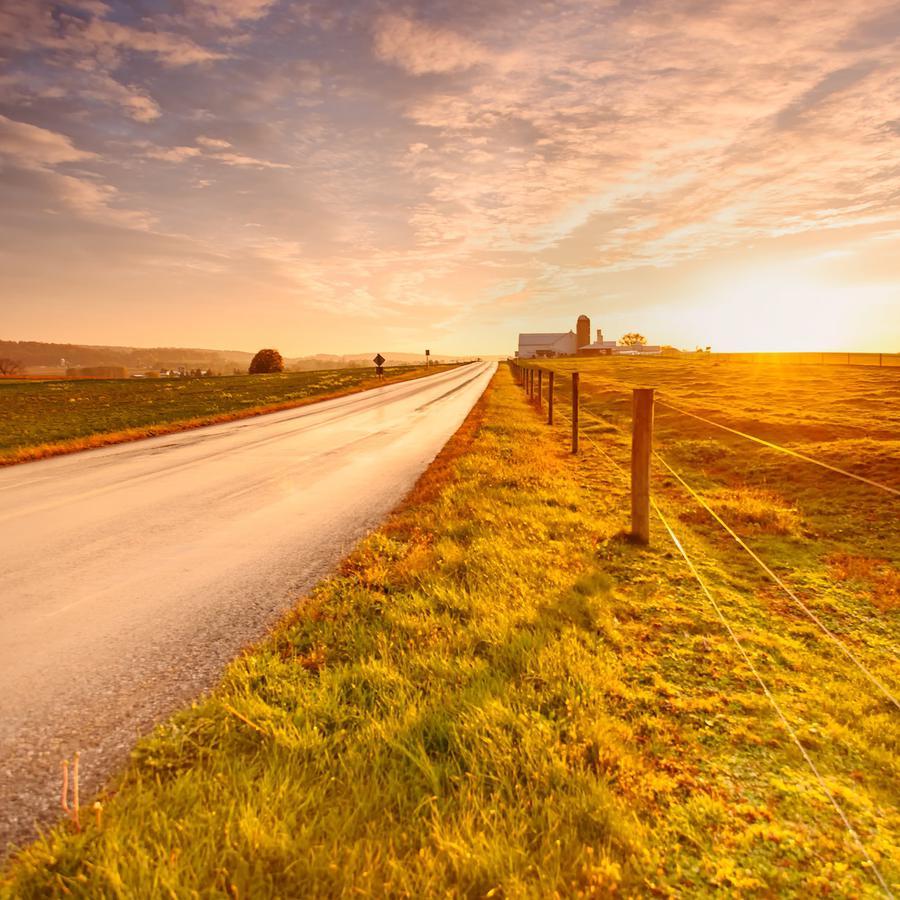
[{"x": 266, "y": 361}]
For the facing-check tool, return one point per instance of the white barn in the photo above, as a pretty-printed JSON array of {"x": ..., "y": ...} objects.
[{"x": 536, "y": 345}]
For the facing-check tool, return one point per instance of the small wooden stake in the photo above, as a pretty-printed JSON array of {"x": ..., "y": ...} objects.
[
  {"x": 64, "y": 797},
  {"x": 641, "y": 446},
  {"x": 75, "y": 799},
  {"x": 550, "y": 398},
  {"x": 575, "y": 381},
  {"x": 540, "y": 390}
]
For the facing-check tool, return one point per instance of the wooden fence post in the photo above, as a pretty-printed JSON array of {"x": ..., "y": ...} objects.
[
  {"x": 575, "y": 381},
  {"x": 540, "y": 391},
  {"x": 531, "y": 384},
  {"x": 550, "y": 398},
  {"x": 641, "y": 446}
]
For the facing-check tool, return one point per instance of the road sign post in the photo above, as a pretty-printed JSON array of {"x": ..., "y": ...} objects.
[{"x": 379, "y": 364}]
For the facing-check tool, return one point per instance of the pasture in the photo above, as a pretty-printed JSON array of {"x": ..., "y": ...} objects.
[
  {"x": 43, "y": 418},
  {"x": 846, "y": 417}
]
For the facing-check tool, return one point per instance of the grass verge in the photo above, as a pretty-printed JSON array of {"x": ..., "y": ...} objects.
[
  {"x": 498, "y": 695},
  {"x": 49, "y": 418}
]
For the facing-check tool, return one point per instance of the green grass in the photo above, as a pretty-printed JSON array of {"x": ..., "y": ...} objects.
[
  {"x": 42, "y": 418},
  {"x": 498, "y": 695}
]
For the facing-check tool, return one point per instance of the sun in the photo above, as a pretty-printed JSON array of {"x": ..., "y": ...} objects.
[{"x": 779, "y": 308}]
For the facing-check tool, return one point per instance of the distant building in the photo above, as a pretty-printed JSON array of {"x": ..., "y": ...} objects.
[
  {"x": 576, "y": 343},
  {"x": 537, "y": 345},
  {"x": 599, "y": 347}
]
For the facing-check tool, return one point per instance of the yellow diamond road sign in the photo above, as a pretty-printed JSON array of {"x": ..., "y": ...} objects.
[{"x": 379, "y": 360}]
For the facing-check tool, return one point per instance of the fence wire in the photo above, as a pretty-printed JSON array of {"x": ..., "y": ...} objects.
[
  {"x": 755, "y": 557},
  {"x": 854, "y": 835},
  {"x": 780, "y": 448}
]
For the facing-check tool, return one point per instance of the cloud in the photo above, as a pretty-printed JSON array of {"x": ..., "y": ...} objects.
[
  {"x": 421, "y": 49},
  {"x": 37, "y": 192},
  {"x": 240, "y": 159},
  {"x": 33, "y": 155},
  {"x": 228, "y": 13},
  {"x": 216, "y": 143},
  {"x": 170, "y": 49},
  {"x": 86, "y": 31},
  {"x": 172, "y": 154},
  {"x": 833, "y": 83},
  {"x": 211, "y": 148},
  {"x": 137, "y": 103},
  {"x": 37, "y": 148}
]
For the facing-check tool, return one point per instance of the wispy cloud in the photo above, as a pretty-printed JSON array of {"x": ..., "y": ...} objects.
[
  {"x": 33, "y": 158},
  {"x": 37, "y": 148},
  {"x": 421, "y": 49},
  {"x": 229, "y": 13},
  {"x": 209, "y": 148}
]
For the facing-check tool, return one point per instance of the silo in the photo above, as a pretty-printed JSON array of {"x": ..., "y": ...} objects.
[{"x": 583, "y": 332}]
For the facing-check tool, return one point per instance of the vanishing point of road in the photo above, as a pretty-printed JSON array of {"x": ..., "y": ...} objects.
[{"x": 131, "y": 575}]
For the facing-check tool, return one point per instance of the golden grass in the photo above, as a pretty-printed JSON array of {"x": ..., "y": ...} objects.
[
  {"x": 750, "y": 510},
  {"x": 877, "y": 579}
]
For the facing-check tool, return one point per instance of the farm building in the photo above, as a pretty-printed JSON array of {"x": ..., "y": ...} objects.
[
  {"x": 535, "y": 345},
  {"x": 575, "y": 343},
  {"x": 570, "y": 343},
  {"x": 599, "y": 347}
]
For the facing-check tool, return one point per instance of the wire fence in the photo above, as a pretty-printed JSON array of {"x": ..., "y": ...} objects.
[
  {"x": 574, "y": 398},
  {"x": 883, "y": 360}
]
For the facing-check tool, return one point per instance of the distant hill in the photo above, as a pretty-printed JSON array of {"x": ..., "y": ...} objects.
[
  {"x": 40, "y": 356},
  {"x": 37, "y": 354}
]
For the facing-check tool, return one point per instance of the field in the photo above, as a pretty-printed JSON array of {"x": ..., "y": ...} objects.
[
  {"x": 500, "y": 695},
  {"x": 44, "y": 418},
  {"x": 847, "y": 418}
]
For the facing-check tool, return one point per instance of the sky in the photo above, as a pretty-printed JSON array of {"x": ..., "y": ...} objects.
[{"x": 352, "y": 176}]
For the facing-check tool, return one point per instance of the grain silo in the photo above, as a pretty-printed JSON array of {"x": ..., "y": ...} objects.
[{"x": 582, "y": 332}]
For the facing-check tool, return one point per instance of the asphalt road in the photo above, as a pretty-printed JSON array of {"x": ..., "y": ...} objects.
[{"x": 130, "y": 575}]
